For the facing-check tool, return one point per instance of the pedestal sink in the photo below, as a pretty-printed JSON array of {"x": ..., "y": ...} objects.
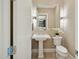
[{"x": 40, "y": 38}]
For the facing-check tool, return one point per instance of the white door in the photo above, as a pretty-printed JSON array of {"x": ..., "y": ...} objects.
[
  {"x": 22, "y": 29},
  {"x": 1, "y": 45},
  {"x": 76, "y": 29},
  {"x": 76, "y": 37},
  {"x": 5, "y": 6}
]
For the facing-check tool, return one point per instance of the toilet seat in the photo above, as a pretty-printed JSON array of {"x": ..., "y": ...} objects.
[{"x": 61, "y": 49}]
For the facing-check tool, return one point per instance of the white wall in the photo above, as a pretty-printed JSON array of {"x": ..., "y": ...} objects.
[
  {"x": 51, "y": 16},
  {"x": 57, "y": 16},
  {"x": 76, "y": 24},
  {"x": 69, "y": 25}
]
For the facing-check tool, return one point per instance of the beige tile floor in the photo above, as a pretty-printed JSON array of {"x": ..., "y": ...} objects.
[{"x": 47, "y": 55}]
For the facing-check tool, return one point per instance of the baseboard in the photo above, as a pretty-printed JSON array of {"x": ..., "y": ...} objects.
[
  {"x": 71, "y": 57},
  {"x": 45, "y": 50}
]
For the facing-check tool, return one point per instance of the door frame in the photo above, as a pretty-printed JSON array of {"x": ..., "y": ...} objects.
[{"x": 5, "y": 28}]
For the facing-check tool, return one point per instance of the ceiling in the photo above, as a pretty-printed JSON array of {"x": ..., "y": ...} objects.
[{"x": 46, "y": 3}]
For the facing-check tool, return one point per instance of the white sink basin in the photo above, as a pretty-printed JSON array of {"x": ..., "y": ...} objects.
[{"x": 41, "y": 36}]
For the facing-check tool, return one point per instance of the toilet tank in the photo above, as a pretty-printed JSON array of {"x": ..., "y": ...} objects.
[{"x": 57, "y": 40}]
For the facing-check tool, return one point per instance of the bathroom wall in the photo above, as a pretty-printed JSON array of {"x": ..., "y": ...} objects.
[
  {"x": 51, "y": 15},
  {"x": 57, "y": 16},
  {"x": 51, "y": 24},
  {"x": 69, "y": 25},
  {"x": 52, "y": 19},
  {"x": 48, "y": 44}
]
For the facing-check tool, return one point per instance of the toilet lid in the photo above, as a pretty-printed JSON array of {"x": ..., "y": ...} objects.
[{"x": 61, "y": 49}]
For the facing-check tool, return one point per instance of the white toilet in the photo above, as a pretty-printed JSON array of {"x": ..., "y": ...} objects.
[{"x": 61, "y": 51}]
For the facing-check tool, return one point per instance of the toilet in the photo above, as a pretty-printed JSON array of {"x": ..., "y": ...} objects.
[{"x": 61, "y": 51}]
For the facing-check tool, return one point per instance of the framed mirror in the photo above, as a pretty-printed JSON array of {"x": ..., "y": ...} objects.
[{"x": 42, "y": 21}]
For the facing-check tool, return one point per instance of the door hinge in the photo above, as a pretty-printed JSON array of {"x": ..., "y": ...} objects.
[{"x": 11, "y": 50}]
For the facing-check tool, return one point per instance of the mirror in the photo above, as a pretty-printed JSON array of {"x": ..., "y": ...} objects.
[
  {"x": 42, "y": 21},
  {"x": 46, "y": 15}
]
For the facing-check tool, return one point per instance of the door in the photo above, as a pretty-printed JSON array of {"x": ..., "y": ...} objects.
[
  {"x": 5, "y": 6},
  {"x": 76, "y": 29},
  {"x": 22, "y": 29},
  {"x": 1, "y": 45}
]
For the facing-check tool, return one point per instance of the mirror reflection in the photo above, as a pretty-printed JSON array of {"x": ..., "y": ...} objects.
[{"x": 46, "y": 17}]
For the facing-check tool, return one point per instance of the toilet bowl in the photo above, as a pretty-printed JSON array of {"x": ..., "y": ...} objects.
[{"x": 61, "y": 52}]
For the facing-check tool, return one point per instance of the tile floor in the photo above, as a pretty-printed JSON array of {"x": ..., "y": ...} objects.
[{"x": 47, "y": 55}]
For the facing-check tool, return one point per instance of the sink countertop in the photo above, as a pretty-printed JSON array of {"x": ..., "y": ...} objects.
[{"x": 41, "y": 36}]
